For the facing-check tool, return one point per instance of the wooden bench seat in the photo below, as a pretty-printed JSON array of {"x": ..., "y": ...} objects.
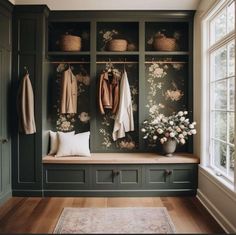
[{"x": 123, "y": 158}]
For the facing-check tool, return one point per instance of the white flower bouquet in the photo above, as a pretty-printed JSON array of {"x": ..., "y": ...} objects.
[{"x": 177, "y": 127}]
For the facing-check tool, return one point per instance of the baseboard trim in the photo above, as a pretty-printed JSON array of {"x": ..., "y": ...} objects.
[
  {"x": 217, "y": 215},
  {"x": 27, "y": 193},
  {"x": 117, "y": 193},
  {"x": 5, "y": 197}
]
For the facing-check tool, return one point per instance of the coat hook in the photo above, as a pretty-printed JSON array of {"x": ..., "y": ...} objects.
[
  {"x": 124, "y": 62},
  {"x": 26, "y": 70}
]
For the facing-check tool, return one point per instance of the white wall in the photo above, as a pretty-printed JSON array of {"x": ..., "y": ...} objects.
[
  {"x": 12, "y": 1},
  {"x": 220, "y": 201},
  {"x": 115, "y": 4}
]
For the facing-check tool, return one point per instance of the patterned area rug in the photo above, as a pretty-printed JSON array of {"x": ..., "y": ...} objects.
[{"x": 115, "y": 220}]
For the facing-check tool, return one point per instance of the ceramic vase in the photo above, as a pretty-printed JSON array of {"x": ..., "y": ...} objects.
[{"x": 169, "y": 147}]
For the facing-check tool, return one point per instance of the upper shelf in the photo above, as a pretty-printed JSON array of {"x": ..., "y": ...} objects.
[
  {"x": 166, "y": 36},
  {"x": 117, "y": 53},
  {"x": 66, "y": 53},
  {"x": 69, "y": 36},
  {"x": 167, "y": 53},
  {"x": 119, "y": 38}
]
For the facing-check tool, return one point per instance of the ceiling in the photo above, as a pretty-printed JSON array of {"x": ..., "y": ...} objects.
[{"x": 114, "y": 4}]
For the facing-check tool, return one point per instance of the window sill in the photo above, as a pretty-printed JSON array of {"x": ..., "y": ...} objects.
[{"x": 219, "y": 181}]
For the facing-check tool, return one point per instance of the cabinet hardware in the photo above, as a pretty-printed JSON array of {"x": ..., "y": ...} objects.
[
  {"x": 115, "y": 173},
  {"x": 168, "y": 172},
  {"x": 4, "y": 141}
]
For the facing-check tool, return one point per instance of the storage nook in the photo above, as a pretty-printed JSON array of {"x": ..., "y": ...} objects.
[{"x": 155, "y": 48}]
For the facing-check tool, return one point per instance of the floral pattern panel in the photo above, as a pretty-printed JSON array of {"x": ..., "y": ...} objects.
[
  {"x": 69, "y": 122},
  {"x": 105, "y": 123},
  {"x": 166, "y": 86}
]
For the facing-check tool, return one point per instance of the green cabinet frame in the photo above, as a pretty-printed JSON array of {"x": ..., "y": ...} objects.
[{"x": 119, "y": 179}]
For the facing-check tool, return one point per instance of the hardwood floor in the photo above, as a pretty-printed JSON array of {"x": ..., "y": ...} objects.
[{"x": 40, "y": 215}]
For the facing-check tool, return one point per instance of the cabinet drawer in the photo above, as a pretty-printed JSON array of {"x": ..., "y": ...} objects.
[
  {"x": 103, "y": 177},
  {"x": 129, "y": 177},
  {"x": 156, "y": 177},
  {"x": 184, "y": 176},
  {"x": 117, "y": 177},
  {"x": 66, "y": 176},
  {"x": 171, "y": 176}
]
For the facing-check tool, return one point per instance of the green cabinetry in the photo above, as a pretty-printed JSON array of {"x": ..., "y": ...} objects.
[
  {"x": 120, "y": 179},
  {"x": 5, "y": 91},
  {"x": 29, "y": 27}
]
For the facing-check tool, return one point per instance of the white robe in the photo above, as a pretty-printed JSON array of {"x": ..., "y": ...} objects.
[{"x": 124, "y": 121}]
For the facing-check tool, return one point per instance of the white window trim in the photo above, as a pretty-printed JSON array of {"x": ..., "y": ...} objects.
[{"x": 214, "y": 10}]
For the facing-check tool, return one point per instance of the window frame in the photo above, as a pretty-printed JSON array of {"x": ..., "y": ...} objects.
[{"x": 208, "y": 48}]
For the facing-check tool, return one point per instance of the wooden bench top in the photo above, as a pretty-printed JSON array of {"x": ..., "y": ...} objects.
[{"x": 123, "y": 158}]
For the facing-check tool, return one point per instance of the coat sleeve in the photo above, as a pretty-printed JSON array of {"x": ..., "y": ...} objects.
[
  {"x": 100, "y": 94},
  {"x": 64, "y": 94},
  {"x": 116, "y": 98},
  {"x": 26, "y": 107}
]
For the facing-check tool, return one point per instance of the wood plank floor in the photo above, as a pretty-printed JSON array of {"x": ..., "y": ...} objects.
[{"x": 40, "y": 215}]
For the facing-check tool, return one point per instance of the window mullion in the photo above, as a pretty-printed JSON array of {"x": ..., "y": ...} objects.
[{"x": 222, "y": 42}]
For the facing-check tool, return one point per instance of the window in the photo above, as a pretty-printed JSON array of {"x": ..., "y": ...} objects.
[{"x": 221, "y": 81}]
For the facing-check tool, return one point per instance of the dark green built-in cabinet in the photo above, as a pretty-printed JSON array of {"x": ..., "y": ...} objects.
[
  {"x": 29, "y": 27},
  {"x": 5, "y": 85},
  {"x": 36, "y": 32}
]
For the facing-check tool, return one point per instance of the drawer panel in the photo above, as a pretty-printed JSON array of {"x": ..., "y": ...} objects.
[
  {"x": 155, "y": 176},
  {"x": 103, "y": 177},
  {"x": 66, "y": 176},
  {"x": 130, "y": 177},
  {"x": 184, "y": 176}
]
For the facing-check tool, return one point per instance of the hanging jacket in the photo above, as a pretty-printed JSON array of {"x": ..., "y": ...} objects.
[
  {"x": 124, "y": 121},
  {"x": 26, "y": 106},
  {"x": 68, "y": 92},
  {"x": 108, "y": 92}
]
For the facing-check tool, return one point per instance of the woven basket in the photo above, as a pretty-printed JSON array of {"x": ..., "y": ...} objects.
[
  {"x": 70, "y": 43},
  {"x": 164, "y": 44},
  {"x": 117, "y": 45}
]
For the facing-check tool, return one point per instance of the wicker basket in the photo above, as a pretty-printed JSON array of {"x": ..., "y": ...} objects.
[
  {"x": 162, "y": 43},
  {"x": 117, "y": 45},
  {"x": 70, "y": 43}
]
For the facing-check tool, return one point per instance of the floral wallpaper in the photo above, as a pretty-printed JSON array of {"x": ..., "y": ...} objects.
[
  {"x": 166, "y": 87},
  {"x": 79, "y": 121},
  {"x": 105, "y": 123}
]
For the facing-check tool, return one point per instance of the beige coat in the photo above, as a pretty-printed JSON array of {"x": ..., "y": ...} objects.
[
  {"x": 124, "y": 121},
  {"x": 68, "y": 92},
  {"x": 26, "y": 107}
]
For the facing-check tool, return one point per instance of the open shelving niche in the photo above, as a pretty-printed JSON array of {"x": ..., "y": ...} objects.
[{"x": 175, "y": 92}]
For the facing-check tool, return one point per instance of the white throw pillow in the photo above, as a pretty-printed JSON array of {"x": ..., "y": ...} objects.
[
  {"x": 54, "y": 140},
  {"x": 76, "y": 145}
]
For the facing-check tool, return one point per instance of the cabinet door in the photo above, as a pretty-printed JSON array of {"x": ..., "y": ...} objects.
[
  {"x": 129, "y": 177},
  {"x": 183, "y": 176},
  {"x": 66, "y": 177},
  {"x": 5, "y": 85},
  {"x": 156, "y": 176},
  {"x": 104, "y": 176}
]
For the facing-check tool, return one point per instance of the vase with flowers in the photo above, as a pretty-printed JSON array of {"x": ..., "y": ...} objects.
[{"x": 169, "y": 130}]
